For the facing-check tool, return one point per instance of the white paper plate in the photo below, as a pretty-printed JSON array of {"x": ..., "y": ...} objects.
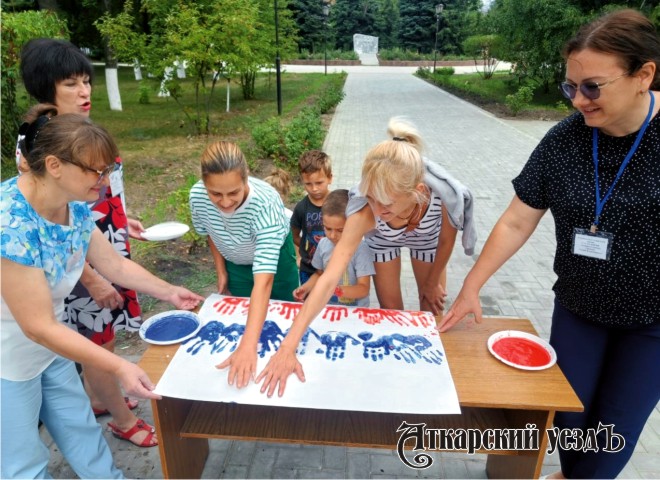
[
  {"x": 520, "y": 356},
  {"x": 170, "y": 327},
  {"x": 165, "y": 231}
]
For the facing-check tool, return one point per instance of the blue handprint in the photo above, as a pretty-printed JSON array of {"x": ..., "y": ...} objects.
[
  {"x": 335, "y": 343},
  {"x": 434, "y": 356},
  {"x": 270, "y": 339},
  {"x": 302, "y": 348},
  {"x": 417, "y": 347},
  {"x": 408, "y": 348},
  {"x": 209, "y": 334},
  {"x": 376, "y": 349},
  {"x": 217, "y": 336},
  {"x": 230, "y": 336}
]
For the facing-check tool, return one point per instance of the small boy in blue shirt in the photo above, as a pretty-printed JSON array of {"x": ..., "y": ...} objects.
[{"x": 354, "y": 286}]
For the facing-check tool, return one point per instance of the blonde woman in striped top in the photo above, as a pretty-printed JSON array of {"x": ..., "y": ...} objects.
[
  {"x": 402, "y": 200},
  {"x": 250, "y": 240}
]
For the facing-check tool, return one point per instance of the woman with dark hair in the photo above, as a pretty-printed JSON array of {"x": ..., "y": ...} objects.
[
  {"x": 598, "y": 173},
  {"x": 57, "y": 72},
  {"x": 48, "y": 232}
]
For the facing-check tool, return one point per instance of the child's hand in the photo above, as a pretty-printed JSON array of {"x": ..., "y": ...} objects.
[{"x": 300, "y": 293}]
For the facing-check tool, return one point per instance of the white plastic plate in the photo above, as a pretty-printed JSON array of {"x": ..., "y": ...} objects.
[
  {"x": 519, "y": 354},
  {"x": 170, "y": 327},
  {"x": 165, "y": 231}
]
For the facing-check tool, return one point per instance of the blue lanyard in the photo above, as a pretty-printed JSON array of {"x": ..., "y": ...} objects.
[{"x": 601, "y": 203}]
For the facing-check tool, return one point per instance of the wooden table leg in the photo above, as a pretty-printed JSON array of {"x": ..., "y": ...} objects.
[
  {"x": 180, "y": 457},
  {"x": 526, "y": 464}
]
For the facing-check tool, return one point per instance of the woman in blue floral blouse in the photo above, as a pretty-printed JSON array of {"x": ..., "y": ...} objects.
[{"x": 48, "y": 232}]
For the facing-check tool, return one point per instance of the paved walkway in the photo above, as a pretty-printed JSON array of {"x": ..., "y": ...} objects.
[{"x": 485, "y": 153}]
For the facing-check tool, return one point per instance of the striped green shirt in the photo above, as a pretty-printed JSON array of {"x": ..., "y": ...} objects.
[{"x": 253, "y": 234}]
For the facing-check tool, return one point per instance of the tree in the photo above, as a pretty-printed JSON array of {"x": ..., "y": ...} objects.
[
  {"x": 417, "y": 25},
  {"x": 213, "y": 37},
  {"x": 308, "y": 17},
  {"x": 17, "y": 29},
  {"x": 351, "y": 17},
  {"x": 487, "y": 49},
  {"x": 386, "y": 24},
  {"x": 549, "y": 22}
]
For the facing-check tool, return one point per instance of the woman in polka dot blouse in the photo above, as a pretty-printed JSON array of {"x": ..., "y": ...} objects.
[{"x": 598, "y": 172}]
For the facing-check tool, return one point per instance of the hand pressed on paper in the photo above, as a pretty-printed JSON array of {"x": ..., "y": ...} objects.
[
  {"x": 242, "y": 366},
  {"x": 277, "y": 371},
  {"x": 467, "y": 302},
  {"x": 432, "y": 298}
]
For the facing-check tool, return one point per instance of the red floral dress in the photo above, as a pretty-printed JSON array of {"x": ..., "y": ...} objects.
[{"x": 96, "y": 323}]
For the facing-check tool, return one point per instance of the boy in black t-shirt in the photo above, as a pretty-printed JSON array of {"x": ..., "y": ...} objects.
[{"x": 306, "y": 222}]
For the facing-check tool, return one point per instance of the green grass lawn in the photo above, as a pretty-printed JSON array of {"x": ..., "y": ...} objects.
[
  {"x": 161, "y": 156},
  {"x": 495, "y": 90}
]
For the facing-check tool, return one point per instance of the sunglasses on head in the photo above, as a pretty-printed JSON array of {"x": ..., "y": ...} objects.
[{"x": 591, "y": 90}]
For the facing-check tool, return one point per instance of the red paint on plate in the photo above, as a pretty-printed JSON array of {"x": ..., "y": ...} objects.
[{"x": 521, "y": 351}]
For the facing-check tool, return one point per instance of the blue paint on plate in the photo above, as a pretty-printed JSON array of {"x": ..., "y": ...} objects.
[{"x": 170, "y": 328}]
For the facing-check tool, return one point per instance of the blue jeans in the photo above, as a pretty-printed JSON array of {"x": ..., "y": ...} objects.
[
  {"x": 58, "y": 398},
  {"x": 614, "y": 372}
]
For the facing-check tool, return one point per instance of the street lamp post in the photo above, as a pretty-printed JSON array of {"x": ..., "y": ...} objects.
[
  {"x": 438, "y": 10},
  {"x": 326, "y": 12},
  {"x": 278, "y": 77}
]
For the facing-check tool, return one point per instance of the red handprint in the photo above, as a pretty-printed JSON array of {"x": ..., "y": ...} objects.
[
  {"x": 396, "y": 316},
  {"x": 424, "y": 318},
  {"x": 370, "y": 316},
  {"x": 289, "y": 310},
  {"x": 228, "y": 305},
  {"x": 335, "y": 313}
]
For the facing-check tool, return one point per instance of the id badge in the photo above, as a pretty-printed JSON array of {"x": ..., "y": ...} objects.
[
  {"x": 116, "y": 181},
  {"x": 592, "y": 244}
]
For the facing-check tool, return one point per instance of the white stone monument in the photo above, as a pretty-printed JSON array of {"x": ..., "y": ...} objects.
[{"x": 366, "y": 47}]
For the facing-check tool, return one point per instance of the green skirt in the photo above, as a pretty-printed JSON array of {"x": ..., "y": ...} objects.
[{"x": 241, "y": 279}]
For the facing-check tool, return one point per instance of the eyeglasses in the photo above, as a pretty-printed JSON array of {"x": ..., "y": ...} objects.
[
  {"x": 101, "y": 173},
  {"x": 591, "y": 90}
]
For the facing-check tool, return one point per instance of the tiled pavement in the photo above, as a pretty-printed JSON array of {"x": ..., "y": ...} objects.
[{"x": 485, "y": 153}]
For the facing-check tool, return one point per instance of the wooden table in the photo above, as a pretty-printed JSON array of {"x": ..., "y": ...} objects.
[{"x": 492, "y": 395}]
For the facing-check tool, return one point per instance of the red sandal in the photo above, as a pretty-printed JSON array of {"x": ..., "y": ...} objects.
[
  {"x": 140, "y": 426},
  {"x": 131, "y": 404}
]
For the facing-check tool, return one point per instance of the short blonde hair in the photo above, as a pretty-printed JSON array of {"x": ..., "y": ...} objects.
[
  {"x": 223, "y": 157},
  {"x": 280, "y": 180},
  {"x": 394, "y": 166}
]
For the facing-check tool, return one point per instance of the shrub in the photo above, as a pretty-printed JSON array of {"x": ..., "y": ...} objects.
[
  {"x": 519, "y": 100},
  {"x": 285, "y": 143},
  {"x": 143, "y": 94},
  {"x": 269, "y": 137},
  {"x": 331, "y": 95},
  {"x": 305, "y": 132},
  {"x": 331, "y": 55},
  {"x": 445, "y": 71},
  {"x": 562, "y": 107},
  {"x": 423, "y": 72}
]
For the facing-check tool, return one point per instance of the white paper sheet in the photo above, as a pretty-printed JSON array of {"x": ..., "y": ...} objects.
[{"x": 353, "y": 358}]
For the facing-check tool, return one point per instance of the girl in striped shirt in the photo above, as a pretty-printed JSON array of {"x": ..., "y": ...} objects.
[{"x": 250, "y": 241}]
